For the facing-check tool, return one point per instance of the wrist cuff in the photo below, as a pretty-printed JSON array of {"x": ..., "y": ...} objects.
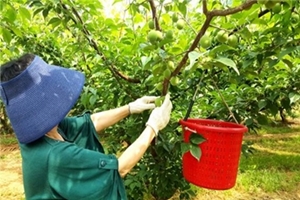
[
  {"x": 155, "y": 131},
  {"x": 129, "y": 109}
]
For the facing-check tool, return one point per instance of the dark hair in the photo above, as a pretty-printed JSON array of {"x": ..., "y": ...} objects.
[{"x": 13, "y": 68}]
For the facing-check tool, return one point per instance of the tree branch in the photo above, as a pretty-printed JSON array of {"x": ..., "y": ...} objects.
[
  {"x": 225, "y": 103},
  {"x": 204, "y": 7},
  {"x": 185, "y": 57},
  {"x": 230, "y": 11},
  {"x": 154, "y": 16}
]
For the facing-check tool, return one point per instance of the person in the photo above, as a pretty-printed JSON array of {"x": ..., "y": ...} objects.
[{"x": 62, "y": 157}]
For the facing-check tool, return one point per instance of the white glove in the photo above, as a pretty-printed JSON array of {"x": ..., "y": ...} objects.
[
  {"x": 160, "y": 116},
  {"x": 141, "y": 104}
]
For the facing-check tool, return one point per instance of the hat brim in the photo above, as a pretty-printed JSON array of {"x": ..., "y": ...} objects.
[{"x": 43, "y": 100}]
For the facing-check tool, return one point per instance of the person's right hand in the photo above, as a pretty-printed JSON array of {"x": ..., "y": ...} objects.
[{"x": 160, "y": 116}]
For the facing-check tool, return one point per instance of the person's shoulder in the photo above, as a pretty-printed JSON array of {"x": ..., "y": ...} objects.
[
  {"x": 84, "y": 116},
  {"x": 40, "y": 145}
]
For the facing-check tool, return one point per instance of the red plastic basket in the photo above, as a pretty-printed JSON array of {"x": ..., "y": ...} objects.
[{"x": 218, "y": 165}]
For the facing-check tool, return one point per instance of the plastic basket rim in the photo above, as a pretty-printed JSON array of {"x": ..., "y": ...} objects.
[{"x": 237, "y": 129}]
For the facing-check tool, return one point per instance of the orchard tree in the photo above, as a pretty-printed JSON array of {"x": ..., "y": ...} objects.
[{"x": 242, "y": 57}]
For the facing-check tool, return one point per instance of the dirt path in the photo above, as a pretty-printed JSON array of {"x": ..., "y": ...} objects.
[
  {"x": 271, "y": 136},
  {"x": 11, "y": 187}
]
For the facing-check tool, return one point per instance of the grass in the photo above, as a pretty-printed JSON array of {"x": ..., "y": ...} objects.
[
  {"x": 273, "y": 168},
  {"x": 8, "y": 139},
  {"x": 278, "y": 129},
  {"x": 284, "y": 145},
  {"x": 270, "y": 172},
  {"x": 275, "y": 164}
]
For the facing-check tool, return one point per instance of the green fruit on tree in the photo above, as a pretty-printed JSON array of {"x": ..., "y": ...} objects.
[
  {"x": 174, "y": 81},
  {"x": 174, "y": 17},
  {"x": 169, "y": 34},
  {"x": 270, "y": 4},
  {"x": 180, "y": 24},
  {"x": 277, "y": 8},
  {"x": 159, "y": 86},
  {"x": 205, "y": 41},
  {"x": 154, "y": 36},
  {"x": 294, "y": 18},
  {"x": 232, "y": 40},
  {"x": 156, "y": 70},
  {"x": 159, "y": 101},
  {"x": 170, "y": 65},
  {"x": 222, "y": 36},
  {"x": 151, "y": 24},
  {"x": 167, "y": 73}
]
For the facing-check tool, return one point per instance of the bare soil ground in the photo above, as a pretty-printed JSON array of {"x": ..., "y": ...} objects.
[{"x": 11, "y": 187}]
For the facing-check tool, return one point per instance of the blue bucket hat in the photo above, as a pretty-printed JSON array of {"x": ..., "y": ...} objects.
[{"x": 39, "y": 98}]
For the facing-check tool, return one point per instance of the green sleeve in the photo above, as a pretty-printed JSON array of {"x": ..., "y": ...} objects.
[
  {"x": 77, "y": 126},
  {"x": 77, "y": 173},
  {"x": 80, "y": 130}
]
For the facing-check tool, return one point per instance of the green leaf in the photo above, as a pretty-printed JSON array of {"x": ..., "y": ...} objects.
[
  {"x": 185, "y": 147},
  {"x": 93, "y": 100},
  {"x": 262, "y": 104},
  {"x": 11, "y": 15},
  {"x": 6, "y": 35},
  {"x": 55, "y": 21},
  {"x": 196, "y": 151},
  {"x": 46, "y": 11},
  {"x": 273, "y": 108},
  {"x": 294, "y": 97},
  {"x": 145, "y": 60},
  {"x": 37, "y": 11},
  {"x": 288, "y": 63},
  {"x": 196, "y": 138},
  {"x": 221, "y": 48},
  {"x": 262, "y": 119},
  {"x": 193, "y": 57},
  {"x": 249, "y": 122},
  {"x": 287, "y": 51},
  {"x": 286, "y": 103},
  {"x": 176, "y": 49},
  {"x": 16, "y": 31},
  {"x": 246, "y": 34},
  {"x": 228, "y": 62},
  {"x": 24, "y": 13},
  {"x": 182, "y": 8}
]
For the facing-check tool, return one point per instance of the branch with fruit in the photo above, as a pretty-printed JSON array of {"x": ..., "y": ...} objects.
[
  {"x": 209, "y": 16},
  {"x": 76, "y": 18}
]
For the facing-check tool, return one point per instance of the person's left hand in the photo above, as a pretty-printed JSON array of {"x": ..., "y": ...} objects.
[{"x": 142, "y": 104}]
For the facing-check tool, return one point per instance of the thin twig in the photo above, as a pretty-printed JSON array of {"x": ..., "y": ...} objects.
[
  {"x": 219, "y": 28},
  {"x": 154, "y": 16},
  {"x": 218, "y": 90}
]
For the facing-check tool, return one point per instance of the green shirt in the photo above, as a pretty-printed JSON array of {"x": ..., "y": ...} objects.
[{"x": 76, "y": 168}]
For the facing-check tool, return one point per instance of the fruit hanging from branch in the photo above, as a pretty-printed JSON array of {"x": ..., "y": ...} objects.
[
  {"x": 222, "y": 36},
  {"x": 180, "y": 24},
  {"x": 205, "y": 41},
  {"x": 232, "y": 40},
  {"x": 154, "y": 36}
]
